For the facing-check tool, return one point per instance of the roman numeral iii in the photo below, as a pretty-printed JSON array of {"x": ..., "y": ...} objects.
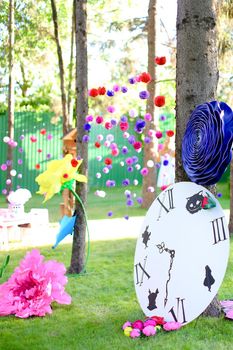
[{"x": 218, "y": 230}]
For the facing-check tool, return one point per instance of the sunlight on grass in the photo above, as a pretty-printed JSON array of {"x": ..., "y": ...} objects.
[{"x": 103, "y": 300}]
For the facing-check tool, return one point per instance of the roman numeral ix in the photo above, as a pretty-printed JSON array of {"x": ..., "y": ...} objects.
[{"x": 140, "y": 268}]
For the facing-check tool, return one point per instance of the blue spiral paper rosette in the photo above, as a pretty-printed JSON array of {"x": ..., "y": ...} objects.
[{"x": 207, "y": 143}]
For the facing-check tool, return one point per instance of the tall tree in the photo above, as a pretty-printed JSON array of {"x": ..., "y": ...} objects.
[
  {"x": 11, "y": 100},
  {"x": 78, "y": 247},
  {"x": 71, "y": 64},
  {"x": 149, "y": 148},
  {"x": 61, "y": 68},
  {"x": 196, "y": 74}
]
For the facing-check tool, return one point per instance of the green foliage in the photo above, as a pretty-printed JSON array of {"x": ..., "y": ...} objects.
[{"x": 102, "y": 300}]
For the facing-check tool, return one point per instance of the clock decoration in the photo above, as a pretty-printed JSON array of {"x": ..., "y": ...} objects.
[
  {"x": 181, "y": 254},
  {"x": 182, "y": 251}
]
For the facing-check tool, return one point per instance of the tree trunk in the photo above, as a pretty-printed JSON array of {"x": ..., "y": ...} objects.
[
  {"x": 196, "y": 75},
  {"x": 70, "y": 78},
  {"x": 61, "y": 68},
  {"x": 11, "y": 97},
  {"x": 231, "y": 200},
  {"x": 78, "y": 248},
  {"x": 149, "y": 154}
]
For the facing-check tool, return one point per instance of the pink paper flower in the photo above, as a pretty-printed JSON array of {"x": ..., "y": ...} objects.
[
  {"x": 150, "y": 322},
  {"x": 138, "y": 324},
  {"x": 33, "y": 286},
  {"x": 172, "y": 326},
  {"x": 135, "y": 333},
  {"x": 149, "y": 331},
  {"x": 126, "y": 324}
]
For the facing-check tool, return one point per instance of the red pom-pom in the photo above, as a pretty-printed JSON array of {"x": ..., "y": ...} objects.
[
  {"x": 145, "y": 77},
  {"x": 99, "y": 119},
  {"x": 170, "y": 133},
  {"x": 43, "y": 131},
  {"x": 102, "y": 90},
  {"x": 159, "y": 101},
  {"x": 108, "y": 161},
  {"x": 39, "y": 150},
  {"x": 97, "y": 144},
  {"x": 108, "y": 125},
  {"x": 93, "y": 93},
  {"x": 162, "y": 188},
  {"x": 115, "y": 152},
  {"x": 37, "y": 166},
  {"x": 160, "y": 60},
  {"x": 124, "y": 126},
  {"x": 74, "y": 162},
  {"x": 33, "y": 138},
  {"x": 137, "y": 145},
  {"x": 65, "y": 176}
]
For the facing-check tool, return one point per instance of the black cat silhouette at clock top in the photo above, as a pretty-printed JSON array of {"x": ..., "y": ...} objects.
[{"x": 181, "y": 254}]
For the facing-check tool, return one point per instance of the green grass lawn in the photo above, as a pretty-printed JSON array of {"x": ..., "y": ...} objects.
[
  {"x": 103, "y": 300},
  {"x": 114, "y": 201}
]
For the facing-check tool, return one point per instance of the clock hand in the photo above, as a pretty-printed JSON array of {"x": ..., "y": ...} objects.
[{"x": 171, "y": 252}]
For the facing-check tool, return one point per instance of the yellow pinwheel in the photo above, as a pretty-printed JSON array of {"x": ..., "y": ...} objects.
[{"x": 58, "y": 173}]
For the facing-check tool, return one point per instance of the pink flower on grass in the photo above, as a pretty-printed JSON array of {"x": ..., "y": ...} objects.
[
  {"x": 126, "y": 324},
  {"x": 138, "y": 324},
  {"x": 33, "y": 286},
  {"x": 135, "y": 333},
  {"x": 150, "y": 322},
  {"x": 149, "y": 331},
  {"x": 172, "y": 326}
]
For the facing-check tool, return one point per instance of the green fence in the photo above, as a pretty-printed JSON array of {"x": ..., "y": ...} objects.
[{"x": 49, "y": 146}]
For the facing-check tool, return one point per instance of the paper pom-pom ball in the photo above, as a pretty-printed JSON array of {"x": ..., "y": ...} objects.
[
  {"x": 148, "y": 117},
  {"x": 43, "y": 131},
  {"x": 137, "y": 145},
  {"x": 158, "y": 134},
  {"x": 98, "y": 175},
  {"x": 144, "y": 172},
  {"x": 145, "y": 77},
  {"x": 86, "y": 138},
  {"x": 89, "y": 118},
  {"x": 124, "y": 89},
  {"x": 6, "y": 139},
  {"x": 108, "y": 161},
  {"x": 99, "y": 119},
  {"x": 100, "y": 137},
  {"x": 135, "y": 182},
  {"x": 111, "y": 109},
  {"x": 87, "y": 127},
  {"x": 115, "y": 152},
  {"x": 8, "y": 181},
  {"x": 108, "y": 125},
  {"x": 20, "y": 161},
  {"x": 159, "y": 101},
  {"x": 144, "y": 95},
  {"x": 132, "y": 81},
  {"x": 13, "y": 172},
  {"x": 124, "y": 126},
  {"x": 160, "y": 60},
  {"x": 170, "y": 133},
  {"x": 33, "y": 138},
  {"x": 116, "y": 88},
  {"x": 93, "y": 92},
  {"x": 37, "y": 166},
  {"x": 97, "y": 144},
  {"x": 110, "y": 137},
  {"x": 150, "y": 163},
  {"x": 102, "y": 90},
  {"x": 110, "y": 213},
  {"x": 110, "y": 93},
  {"x": 49, "y": 137},
  {"x": 3, "y": 167}
]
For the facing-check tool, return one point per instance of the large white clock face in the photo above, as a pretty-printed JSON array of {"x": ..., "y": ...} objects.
[{"x": 181, "y": 254}]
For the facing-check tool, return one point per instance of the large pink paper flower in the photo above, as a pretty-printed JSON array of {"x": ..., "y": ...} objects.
[{"x": 33, "y": 286}]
